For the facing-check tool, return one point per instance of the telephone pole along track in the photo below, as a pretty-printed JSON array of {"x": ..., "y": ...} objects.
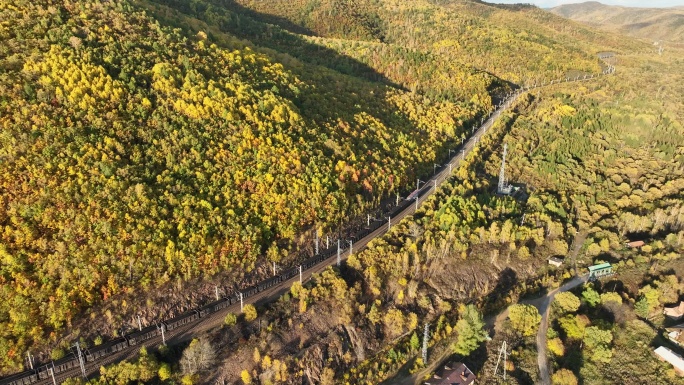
[{"x": 420, "y": 195}]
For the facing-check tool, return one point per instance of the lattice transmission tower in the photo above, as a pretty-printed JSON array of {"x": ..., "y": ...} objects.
[
  {"x": 503, "y": 353},
  {"x": 504, "y": 188}
]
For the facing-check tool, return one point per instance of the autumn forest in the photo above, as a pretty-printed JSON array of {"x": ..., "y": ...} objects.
[{"x": 152, "y": 149}]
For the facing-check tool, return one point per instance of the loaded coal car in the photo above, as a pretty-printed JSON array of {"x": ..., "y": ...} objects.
[
  {"x": 265, "y": 284},
  {"x": 64, "y": 364},
  {"x": 250, "y": 291},
  {"x": 181, "y": 320},
  {"x": 106, "y": 349},
  {"x": 23, "y": 378},
  {"x": 289, "y": 273},
  {"x": 142, "y": 335},
  {"x": 214, "y": 307}
]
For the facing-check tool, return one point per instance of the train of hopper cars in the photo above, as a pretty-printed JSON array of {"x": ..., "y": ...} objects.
[{"x": 99, "y": 352}]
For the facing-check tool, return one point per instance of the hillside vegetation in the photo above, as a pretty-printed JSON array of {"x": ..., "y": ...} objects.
[
  {"x": 579, "y": 152},
  {"x": 151, "y": 146},
  {"x": 665, "y": 24},
  {"x": 426, "y": 38},
  {"x": 134, "y": 155}
]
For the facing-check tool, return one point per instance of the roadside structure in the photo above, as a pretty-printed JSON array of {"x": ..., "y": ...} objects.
[
  {"x": 452, "y": 374},
  {"x": 635, "y": 244},
  {"x": 555, "y": 261},
  {"x": 675, "y": 312},
  {"x": 674, "y": 359},
  {"x": 600, "y": 271},
  {"x": 676, "y": 334}
]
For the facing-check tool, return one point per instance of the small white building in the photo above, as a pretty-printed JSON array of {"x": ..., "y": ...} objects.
[
  {"x": 676, "y": 334},
  {"x": 555, "y": 261},
  {"x": 672, "y": 358}
]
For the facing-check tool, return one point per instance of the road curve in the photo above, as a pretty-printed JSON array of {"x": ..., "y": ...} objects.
[
  {"x": 542, "y": 304},
  {"x": 216, "y": 319}
]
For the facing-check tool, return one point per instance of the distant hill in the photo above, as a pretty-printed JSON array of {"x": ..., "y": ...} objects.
[{"x": 653, "y": 23}]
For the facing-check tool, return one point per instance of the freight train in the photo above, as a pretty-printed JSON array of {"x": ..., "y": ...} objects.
[{"x": 95, "y": 353}]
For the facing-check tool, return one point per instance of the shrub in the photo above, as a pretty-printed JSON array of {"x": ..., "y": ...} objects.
[
  {"x": 250, "y": 312},
  {"x": 230, "y": 320}
]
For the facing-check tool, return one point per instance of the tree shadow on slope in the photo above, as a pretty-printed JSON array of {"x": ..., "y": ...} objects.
[
  {"x": 273, "y": 32},
  {"x": 333, "y": 99},
  {"x": 507, "y": 280}
]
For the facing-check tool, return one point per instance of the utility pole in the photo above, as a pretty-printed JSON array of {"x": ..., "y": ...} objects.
[
  {"x": 574, "y": 258},
  {"x": 416, "y": 198},
  {"x": 81, "y": 362},
  {"x": 300, "y": 275},
  {"x": 389, "y": 223},
  {"x": 242, "y": 304},
  {"x": 397, "y": 204},
  {"x": 52, "y": 374},
  {"x": 316, "y": 241},
  {"x": 274, "y": 268},
  {"x": 163, "y": 327},
  {"x": 139, "y": 323},
  {"x": 462, "y": 154},
  {"x": 426, "y": 336},
  {"x": 327, "y": 242},
  {"x": 30, "y": 359},
  {"x": 450, "y": 168},
  {"x": 339, "y": 253},
  {"x": 351, "y": 244},
  {"x": 368, "y": 221}
]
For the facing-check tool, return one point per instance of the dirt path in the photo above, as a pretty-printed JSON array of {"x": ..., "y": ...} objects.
[
  {"x": 494, "y": 322},
  {"x": 542, "y": 304}
]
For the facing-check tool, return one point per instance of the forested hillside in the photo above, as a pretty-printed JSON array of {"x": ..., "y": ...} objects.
[
  {"x": 135, "y": 155},
  {"x": 148, "y": 147},
  {"x": 422, "y": 45},
  {"x": 579, "y": 152}
]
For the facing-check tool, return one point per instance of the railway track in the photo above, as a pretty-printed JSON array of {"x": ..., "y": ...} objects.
[{"x": 203, "y": 324}]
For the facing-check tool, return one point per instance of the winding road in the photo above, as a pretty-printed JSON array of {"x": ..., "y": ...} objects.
[{"x": 542, "y": 304}]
